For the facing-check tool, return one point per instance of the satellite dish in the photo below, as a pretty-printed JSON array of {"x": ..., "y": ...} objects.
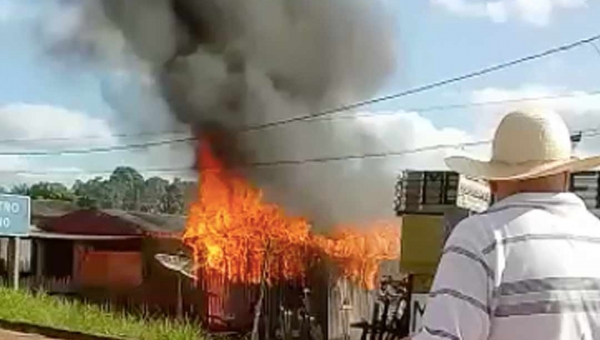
[{"x": 177, "y": 263}]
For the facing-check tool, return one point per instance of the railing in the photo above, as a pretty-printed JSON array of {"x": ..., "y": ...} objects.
[{"x": 435, "y": 191}]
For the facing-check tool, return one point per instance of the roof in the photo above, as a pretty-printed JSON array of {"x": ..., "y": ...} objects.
[
  {"x": 51, "y": 208},
  {"x": 41, "y": 234},
  {"x": 116, "y": 223},
  {"x": 157, "y": 223}
]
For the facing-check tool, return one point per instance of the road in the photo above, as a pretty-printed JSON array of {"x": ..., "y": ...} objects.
[{"x": 7, "y": 335}]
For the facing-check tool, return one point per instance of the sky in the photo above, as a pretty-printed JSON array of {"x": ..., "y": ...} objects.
[{"x": 68, "y": 105}]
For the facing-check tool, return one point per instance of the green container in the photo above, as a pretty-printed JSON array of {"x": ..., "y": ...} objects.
[{"x": 422, "y": 243}]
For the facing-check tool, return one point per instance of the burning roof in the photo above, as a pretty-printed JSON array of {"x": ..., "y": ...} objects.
[{"x": 238, "y": 235}]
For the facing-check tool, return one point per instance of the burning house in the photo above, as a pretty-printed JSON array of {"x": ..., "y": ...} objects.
[
  {"x": 231, "y": 70},
  {"x": 250, "y": 253}
]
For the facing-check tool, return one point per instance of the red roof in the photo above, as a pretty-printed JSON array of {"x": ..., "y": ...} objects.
[{"x": 116, "y": 222}]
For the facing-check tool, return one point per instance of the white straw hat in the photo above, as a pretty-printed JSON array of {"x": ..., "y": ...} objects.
[{"x": 526, "y": 145}]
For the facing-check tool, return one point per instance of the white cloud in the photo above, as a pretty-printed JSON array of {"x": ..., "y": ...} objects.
[
  {"x": 495, "y": 10},
  {"x": 36, "y": 122},
  {"x": 580, "y": 111},
  {"x": 28, "y": 127},
  {"x": 536, "y": 12}
]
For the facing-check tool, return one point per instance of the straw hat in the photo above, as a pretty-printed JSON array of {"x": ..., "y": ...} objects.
[{"x": 526, "y": 145}]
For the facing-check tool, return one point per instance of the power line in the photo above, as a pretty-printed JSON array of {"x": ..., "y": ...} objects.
[
  {"x": 592, "y": 132},
  {"x": 368, "y": 155},
  {"x": 313, "y": 116},
  {"x": 427, "y": 87},
  {"x": 572, "y": 94},
  {"x": 584, "y": 133},
  {"x": 467, "y": 105},
  {"x": 99, "y": 149},
  {"x": 180, "y": 170},
  {"x": 189, "y": 139},
  {"x": 348, "y": 107},
  {"x": 88, "y": 137}
]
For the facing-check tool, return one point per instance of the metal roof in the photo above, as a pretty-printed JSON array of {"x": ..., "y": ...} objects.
[
  {"x": 51, "y": 208},
  {"x": 41, "y": 234},
  {"x": 116, "y": 222},
  {"x": 159, "y": 223}
]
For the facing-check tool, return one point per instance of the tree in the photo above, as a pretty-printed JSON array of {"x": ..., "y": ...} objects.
[
  {"x": 155, "y": 188},
  {"x": 92, "y": 194},
  {"x": 53, "y": 191},
  {"x": 125, "y": 187},
  {"x": 173, "y": 199},
  {"x": 178, "y": 196},
  {"x": 20, "y": 189}
]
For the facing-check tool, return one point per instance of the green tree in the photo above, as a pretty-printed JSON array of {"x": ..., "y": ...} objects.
[
  {"x": 173, "y": 198},
  {"x": 92, "y": 194},
  {"x": 53, "y": 191},
  {"x": 125, "y": 187},
  {"x": 20, "y": 189},
  {"x": 178, "y": 196},
  {"x": 155, "y": 188}
]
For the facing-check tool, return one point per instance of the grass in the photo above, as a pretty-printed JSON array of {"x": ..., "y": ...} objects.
[{"x": 41, "y": 309}]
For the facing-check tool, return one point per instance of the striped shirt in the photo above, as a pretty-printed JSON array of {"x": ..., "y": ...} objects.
[{"x": 528, "y": 268}]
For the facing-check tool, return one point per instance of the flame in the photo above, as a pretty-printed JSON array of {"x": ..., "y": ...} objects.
[
  {"x": 359, "y": 252},
  {"x": 233, "y": 231},
  {"x": 229, "y": 228}
]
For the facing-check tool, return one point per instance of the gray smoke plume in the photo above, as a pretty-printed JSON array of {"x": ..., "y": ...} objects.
[{"x": 237, "y": 63}]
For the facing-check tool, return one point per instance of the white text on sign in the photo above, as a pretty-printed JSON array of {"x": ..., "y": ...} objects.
[{"x": 9, "y": 207}]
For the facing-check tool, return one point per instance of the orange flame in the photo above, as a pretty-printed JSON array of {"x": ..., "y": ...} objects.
[
  {"x": 358, "y": 253},
  {"x": 229, "y": 228},
  {"x": 232, "y": 232}
]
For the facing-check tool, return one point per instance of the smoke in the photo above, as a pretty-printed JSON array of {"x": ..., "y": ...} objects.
[{"x": 233, "y": 63}]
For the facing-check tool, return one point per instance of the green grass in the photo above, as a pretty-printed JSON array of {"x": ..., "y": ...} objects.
[{"x": 44, "y": 310}]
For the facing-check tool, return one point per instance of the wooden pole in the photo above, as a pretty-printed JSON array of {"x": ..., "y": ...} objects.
[
  {"x": 14, "y": 257},
  {"x": 179, "y": 297},
  {"x": 39, "y": 259},
  {"x": 261, "y": 296}
]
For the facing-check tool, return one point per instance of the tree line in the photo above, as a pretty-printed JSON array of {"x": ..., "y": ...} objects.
[{"x": 124, "y": 189}]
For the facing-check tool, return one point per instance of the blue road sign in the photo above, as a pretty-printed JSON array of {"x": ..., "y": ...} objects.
[{"x": 15, "y": 215}]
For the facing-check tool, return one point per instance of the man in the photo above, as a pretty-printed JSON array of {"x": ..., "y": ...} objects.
[{"x": 529, "y": 267}]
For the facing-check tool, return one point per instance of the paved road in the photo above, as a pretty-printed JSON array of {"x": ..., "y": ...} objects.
[{"x": 6, "y": 335}]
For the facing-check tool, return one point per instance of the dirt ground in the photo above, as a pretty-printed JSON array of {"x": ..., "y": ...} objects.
[{"x": 7, "y": 335}]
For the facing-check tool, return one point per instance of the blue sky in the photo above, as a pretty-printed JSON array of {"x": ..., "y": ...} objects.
[
  {"x": 438, "y": 39},
  {"x": 439, "y": 44},
  {"x": 31, "y": 77}
]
